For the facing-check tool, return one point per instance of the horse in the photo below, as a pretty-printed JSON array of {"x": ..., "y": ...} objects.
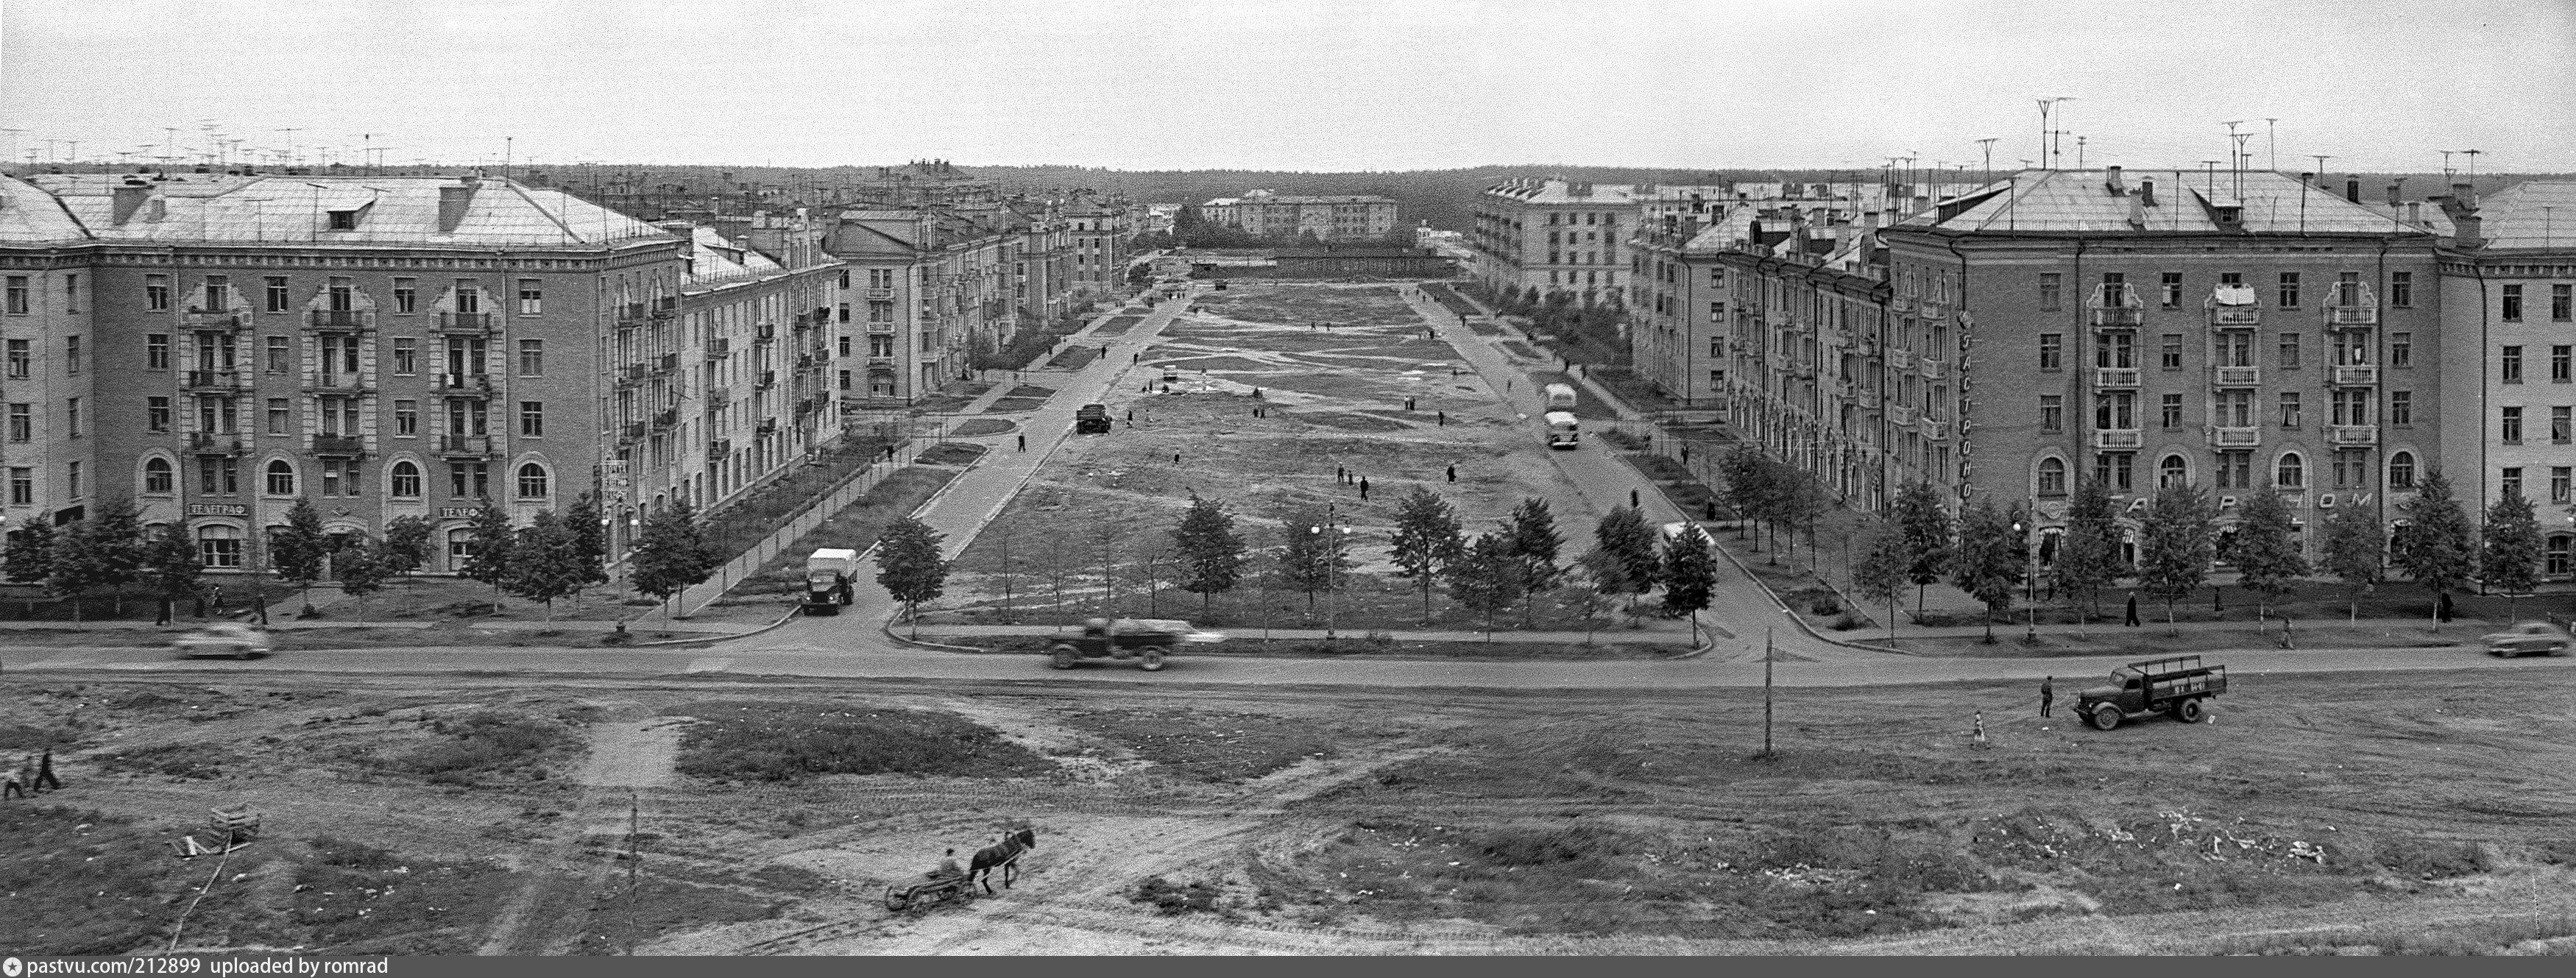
[{"x": 1004, "y": 856}]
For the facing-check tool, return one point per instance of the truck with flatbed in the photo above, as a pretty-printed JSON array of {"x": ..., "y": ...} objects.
[
  {"x": 828, "y": 573},
  {"x": 2175, "y": 685}
]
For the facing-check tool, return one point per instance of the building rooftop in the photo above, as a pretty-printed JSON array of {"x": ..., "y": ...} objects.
[
  {"x": 2538, "y": 214},
  {"x": 2084, "y": 201},
  {"x": 1554, "y": 191},
  {"x": 219, "y": 208},
  {"x": 714, "y": 261}
]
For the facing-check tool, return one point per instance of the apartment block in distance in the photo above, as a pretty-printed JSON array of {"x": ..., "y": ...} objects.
[
  {"x": 924, "y": 289},
  {"x": 217, "y": 346},
  {"x": 1335, "y": 217},
  {"x": 1548, "y": 236},
  {"x": 2506, "y": 281}
]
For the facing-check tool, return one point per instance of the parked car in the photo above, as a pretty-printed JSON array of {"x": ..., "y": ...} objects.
[
  {"x": 2529, "y": 638},
  {"x": 223, "y": 638},
  {"x": 2174, "y": 685}
]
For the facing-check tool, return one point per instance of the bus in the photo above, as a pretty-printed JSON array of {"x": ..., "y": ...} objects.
[
  {"x": 1561, "y": 430},
  {"x": 1560, "y": 397}
]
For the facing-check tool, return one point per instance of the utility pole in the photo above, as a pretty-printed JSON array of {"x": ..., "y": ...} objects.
[
  {"x": 2079, "y": 152},
  {"x": 2273, "y": 135},
  {"x": 1766, "y": 689},
  {"x": 1988, "y": 144},
  {"x": 290, "y": 132}
]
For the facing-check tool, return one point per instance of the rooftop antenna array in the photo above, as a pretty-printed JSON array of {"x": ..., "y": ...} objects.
[
  {"x": 1988, "y": 174},
  {"x": 2046, "y": 105}
]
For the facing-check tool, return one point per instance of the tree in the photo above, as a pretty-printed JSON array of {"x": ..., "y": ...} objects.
[
  {"x": 2088, "y": 556},
  {"x": 2267, "y": 549},
  {"x": 2511, "y": 559},
  {"x": 1880, "y": 578},
  {"x": 171, "y": 563},
  {"x": 1488, "y": 577},
  {"x": 489, "y": 560},
  {"x": 545, "y": 562},
  {"x": 1316, "y": 557},
  {"x": 1796, "y": 500},
  {"x": 1622, "y": 536},
  {"x": 1600, "y": 580},
  {"x": 2435, "y": 549},
  {"x": 1211, "y": 552},
  {"x": 1926, "y": 537},
  {"x": 115, "y": 545},
  {"x": 296, "y": 551},
  {"x": 406, "y": 545},
  {"x": 2355, "y": 553},
  {"x": 361, "y": 568},
  {"x": 1989, "y": 556},
  {"x": 671, "y": 555},
  {"x": 30, "y": 559},
  {"x": 910, "y": 567},
  {"x": 1532, "y": 532},
  {"x": 588, "y": 527},
  {"x": 2176, "y": 545},
  {"x": 1745, "y": 488},
  {"x": 1427, "y": 538},
  {"x": 1690, "y": 574}
]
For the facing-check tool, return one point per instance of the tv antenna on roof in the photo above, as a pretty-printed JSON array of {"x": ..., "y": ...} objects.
[
  {"x": 2273, "y": 136},
  {"x": 2446, "y": 163},
  {"x": 2045, "y": 106},
  {"x": 2473, "y": 161}
]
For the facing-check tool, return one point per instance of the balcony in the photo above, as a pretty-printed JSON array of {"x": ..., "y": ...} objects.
[
  {"x": 880, "y": 359},
  {"x": 631, "y": 431},
  {"x": 470, "y": 323},
  {"x": 2236, "y": 376},
  {"x": 768, "y": 379},
  {"x": 2352, "y": 435},
  {"x": 719, "y": 348},
  {"x": 2235, "y": 316},
  {"x": 337, "y": 445},
  {"x": 344, "y": 320},
  {"x": 1933, "y": 429},
  {"x": 719, "y": 449},
  {"x": 2356, "y": 375},
  {"x": 764, "y": 332},
  {"x": 215, "y": 380},
  {"x": 880, "y": 326},
  {"x": 2118, "y": 438},
  {"x": 630, "y": 312},
  {"x": 1779, "y": 361},
  {"x": 1932, "y": 369},
  {"x": 214, "y": 443},
  {"x": 465, "y": 444},
  {"x": 669, "y": 418},
  {"x": 1903, "y": 416},
  {"x": 879, "y": 293},
  {"x": 464, "y": 385},
  {"x": 2115, "y": 378},
  {"x": 2351, "y": 307},
  {"x": 1935, "y": 310},
  {"x": 2115, "y": 307},
  {"x": 1902, "y": 303},
  {"x": 2235, "y": 437},
  {"x": 218, "y": 321},
  {"x": 632, "y": 373},
  {"x": 719, "y": 396},
  {"x": 1900, "y": 358},
  {"x": 767, "y": 426},
  {"x": 336, "y": 383},
  {"x": 665, "y": 307}
]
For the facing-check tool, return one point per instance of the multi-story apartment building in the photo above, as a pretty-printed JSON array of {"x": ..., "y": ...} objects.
[
  {"x": 2506, "y": 284},
  {"x": 1335, "y": 217},
  {"x": 2245, "y": 332},
  {"x": 735, "y": 387},
  {"x": 218, "y": 346},
  {"x": 1546, "y": 236},
  {"x": 1100, "y": 233},
  {"x": 1040, "y": 254},
  {"x": 924, "y": 289}
]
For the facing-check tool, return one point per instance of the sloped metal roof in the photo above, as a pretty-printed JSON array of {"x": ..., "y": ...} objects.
[
  {"x": 2081, "y": 201},
  {"x": 393, "y": 211},
  {"x": 2535, "y": 214},
  {"x": 29, "y": 215}
]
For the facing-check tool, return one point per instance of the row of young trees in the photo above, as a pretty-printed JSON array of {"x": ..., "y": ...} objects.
[
  {"x": 1774, "y": 494},
  {"x": 1986, "y": 552}
]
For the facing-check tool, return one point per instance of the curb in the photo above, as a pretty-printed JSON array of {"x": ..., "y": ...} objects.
[
  {"x": 791, "y": 614},
  {"x": 887, "y": 627}
]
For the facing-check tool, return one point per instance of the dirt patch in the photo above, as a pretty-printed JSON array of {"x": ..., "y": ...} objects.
[
  {"x": 792, "y": 742},
  {"x": 978, "y": 427},
  {"x": 1016, "y": 405},
  {"x": 951, "y": 453},
  {"x": 1609, "y": 648},
  {"x": 1113, "y": 326},
  {"x": 634, "y": 753},
  {"x": 1212, "y": 746}
]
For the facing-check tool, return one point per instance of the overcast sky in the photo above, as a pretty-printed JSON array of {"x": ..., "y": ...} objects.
[{"x": 1302, "y": 84}]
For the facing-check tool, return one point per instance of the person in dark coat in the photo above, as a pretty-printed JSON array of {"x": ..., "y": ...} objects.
[
  {"x": 1363, "y": 487},
  {"x": 45, "y": 773},
  {"x": 1632, "y": 500},
  {"x": 2047, "y": 693},
  {"x": 1024, "y": 443},
  {"x": 1453, "y": 473},
  {"x": 2132, "y": 620}
]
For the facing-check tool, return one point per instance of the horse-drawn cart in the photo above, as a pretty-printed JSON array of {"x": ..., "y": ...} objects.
[{"x": 929, "y": 893}]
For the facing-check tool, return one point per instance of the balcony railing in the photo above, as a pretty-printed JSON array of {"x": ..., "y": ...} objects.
[
  {"x": 2352, "y": 316},
  {"x": 336, "y": 383},
  {"x": 1933, "y": 429},
  {"x": 1935, "y": 310},
  {"x": 764, "y": 332},
  {"x": 879, "y": 293},
  {"x": 464, "y": 322},
  {"x": 213, "y": 321},
  {"x": 767, "y": 426},
  {"x": 1903, "y": 415},
  {"x": 2110, "y": 378},
  {"x": 214, "y": 379},
  {"x": 2236, "y": 437},
  {"x": 342, "y": 319},
  {"x": 465, "y": 384},
  {"x": 669, "y": 362},
  {"x": 719, "y": 396},
  {"x": 631, "y": 431},
  {"x": 2115, "y": 306},
  {"x": 337, "y": 445},
  {"x": 768, "y": 378},
  {"x": 2118, "y": 438},
  {"x": 1931, "y": 369},
  {"x": 2356, "y": 374},
  {"x": 880, "y": 326},
  {"x": 465, "y": 444},
  {"x": 719, "y": 449},
  {"x": 669, "y": 418},
  {"x": 666, "y": 305},
  {"x": 631, "y": 312},
  {"x": 1902, "y": 303},
  {"x": 1900, "y": 358},
  {"x": 2236, "y": 376},
  {"x": 2116, "y": 317},
  {"x": 2352, "y": 435},
  {"x": 632, "y": 373},
  {"x": 214, "y": 442},
  {"x": 719, "y": 348},
  {"x": 2235, "y": 316}
]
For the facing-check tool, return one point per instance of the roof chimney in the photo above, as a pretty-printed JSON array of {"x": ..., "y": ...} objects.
[
  {"x": 2466, "y": 194},
  {"x": 129, "y": 197},
  {"x": 2352, "y": 190},
  {"x": 2111, "y": 179},
  {"x": 453, "y": 203},
  {"x": 2392, "y": 195}
]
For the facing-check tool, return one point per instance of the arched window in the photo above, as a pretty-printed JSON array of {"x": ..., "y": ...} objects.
[
  {"x": 406, "y": 480},
  {"x": 2291, "y": 473},
  {"x": 532, "y": 481},
  {"x": 2171, "y": 473},
  {"x": 219, "y": 546},
  {"x": 281, "y": 478},
  {"x": 2401, "y": 470},
  {"x": 2052, "y": 476},
  {"x": 156, "y": 475}
]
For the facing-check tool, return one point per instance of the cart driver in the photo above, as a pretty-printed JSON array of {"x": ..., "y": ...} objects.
[{"x": 948, "y": 868}]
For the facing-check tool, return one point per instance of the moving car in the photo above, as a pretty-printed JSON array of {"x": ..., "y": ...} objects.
[
  {"x": 223, "y": 638},
  {"x": 1147, "y": 640},
  {"x": 2528, "y": 638}
]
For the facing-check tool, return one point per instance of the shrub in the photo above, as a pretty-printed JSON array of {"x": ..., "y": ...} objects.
[
  {"x": 485, "y": 742},
  {"x": 792, "y": 742},
  {"x": 1174, "y": 899},
  {"x": 1825, "y": 604}
]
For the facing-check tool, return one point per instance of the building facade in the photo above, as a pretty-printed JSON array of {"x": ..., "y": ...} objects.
[
  {"x": 218, "y": 346},
  {"x": 924, "y": 289},
  {"x": 1334, "y": 217},
  {"x": 1547, "y": 236},
  {"x": 2506, "y": 284}
]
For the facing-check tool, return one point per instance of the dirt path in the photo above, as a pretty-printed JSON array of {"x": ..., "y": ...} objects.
[{"x": 633, "y": 753}]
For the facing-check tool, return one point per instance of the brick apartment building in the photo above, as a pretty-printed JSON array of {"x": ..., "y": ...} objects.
[{"x": 1548, "y": 236}]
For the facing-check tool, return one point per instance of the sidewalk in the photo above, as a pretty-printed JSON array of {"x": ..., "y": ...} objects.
[
  {"x": 286, "y": 622},
  {"x": 1237, "y": 636}
]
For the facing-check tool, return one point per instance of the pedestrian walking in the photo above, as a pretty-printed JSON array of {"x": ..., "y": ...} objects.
[
  {"x": 1338, "y": 472},
  {"x": 259, "y": 606},
  {"x": 162, "y": 617},
  {"x": 1131, "y": 415},
  {"x": 201, "y": 603},
  {"x": 1176, "y": 458},
  {"x": 1453, "y": 473},
  {"x": 2047, "y": 693},
  {"x": 1632, "y": 500},
  {"x": 10, "y": 785},
  {"x": 1256, "y": 393},
  {"x": 1685, "y": 454},
  {"x": 1024, "y": 443},
  {"x": 2132, "y": 621},
  {"x": 45, "y": 773},
  {"x": 2285, "y": 633},
  {"x": 1708, "y": 510},
  {"x": 1363, "y": 488},
  {"x": 218, "y": 591},
  {"x": 1977, "y": 737},
  {"x": 1136, "y": 358}
]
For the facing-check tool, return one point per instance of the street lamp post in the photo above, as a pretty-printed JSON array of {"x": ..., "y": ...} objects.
[
  {"x": 1332, "y": 568},
  {"x": 2030, "y": 576}
]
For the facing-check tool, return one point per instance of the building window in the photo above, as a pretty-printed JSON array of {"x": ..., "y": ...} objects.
[
  {"x": 2401, "y": 349},
  {"x": 2509, "y": 482},
  {"x": 2401, "y": 289},
  {"x": 532, "y": 358},
  {"x": 71, "y": 356},
  {"x": 2236, "y": 409},
  {"x": 404, "y": 481},
  {"x": 2291, "y": 473},
  {"x": 2289, "y": 351},
  {"x": 406, "y": 296},
  {"x": 277, "y": 415},
  {"x": 2235, "y": 470},
  {"x": 2561, "y": 557},
  {"x": 2170, "y": 356},
  {"x": 468, "y": 480},
  {"x": 2052, "y": 412},
  {"x": 2052, "y": 476},
  {"x": 22, "y": 360},
  {"x": 17, "y": 295},
  {"x": 2401, "y": 408},
  {"x": 2510, "y": 429},
  {"x": 2513, "y": 303},
  {"x": 2172, "y": 290},
  {"x": 2050, "y": 288},
  {"x": 156, "y": 351},
  {"x": 2560, "y": 477},
  {"x": 2401, "y": 470},
  {"x": 406, "y": 418},
  {"x": 2172, "y": 473},
  {"x": 22, "y": 422},
  {"x": 156, "y": 413},
  {"x": 880, "y": 278},
  {"x": 2558, "y": 425},
  {"x": 2113, "y": 469},
  {"x": 71, "y": 293},
  {"x": 280, "y": 358},
  {"x": 845, "y": 380},
  {"x": 281, "y": 478},
  {"x": 2289, "y": 290},
  {"x": 469, "y": 296},
  {"x": 2290, "y": 409},
  {"x": 278, "y": 298},
  {"x": 156, "y": 293},
  {"x": 218, "y": 474},
  {"x": 532, "y": 419},
  {"x": 219, "y": 547},
  {"x": 71, "y": 417},
  {"x": 532, "y": 481},
  {"x": 22, "y": 486},
  {"x": 845, "y": 346},
  {"x": 2511, "y": 364},
  {"x": 2169, "y": 411},
  {"x": 157, "y": 478},
  {"x": 406, "y": 355},
  {"x": 2052, "y": 351},
  {"x": 2562, "y": 303},
  {"x": 2558, "y": 363},
  {"x": 460, "y": 548},
  {"x": 880, "y": 311},
  {"x": 532, "y": 297}
]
